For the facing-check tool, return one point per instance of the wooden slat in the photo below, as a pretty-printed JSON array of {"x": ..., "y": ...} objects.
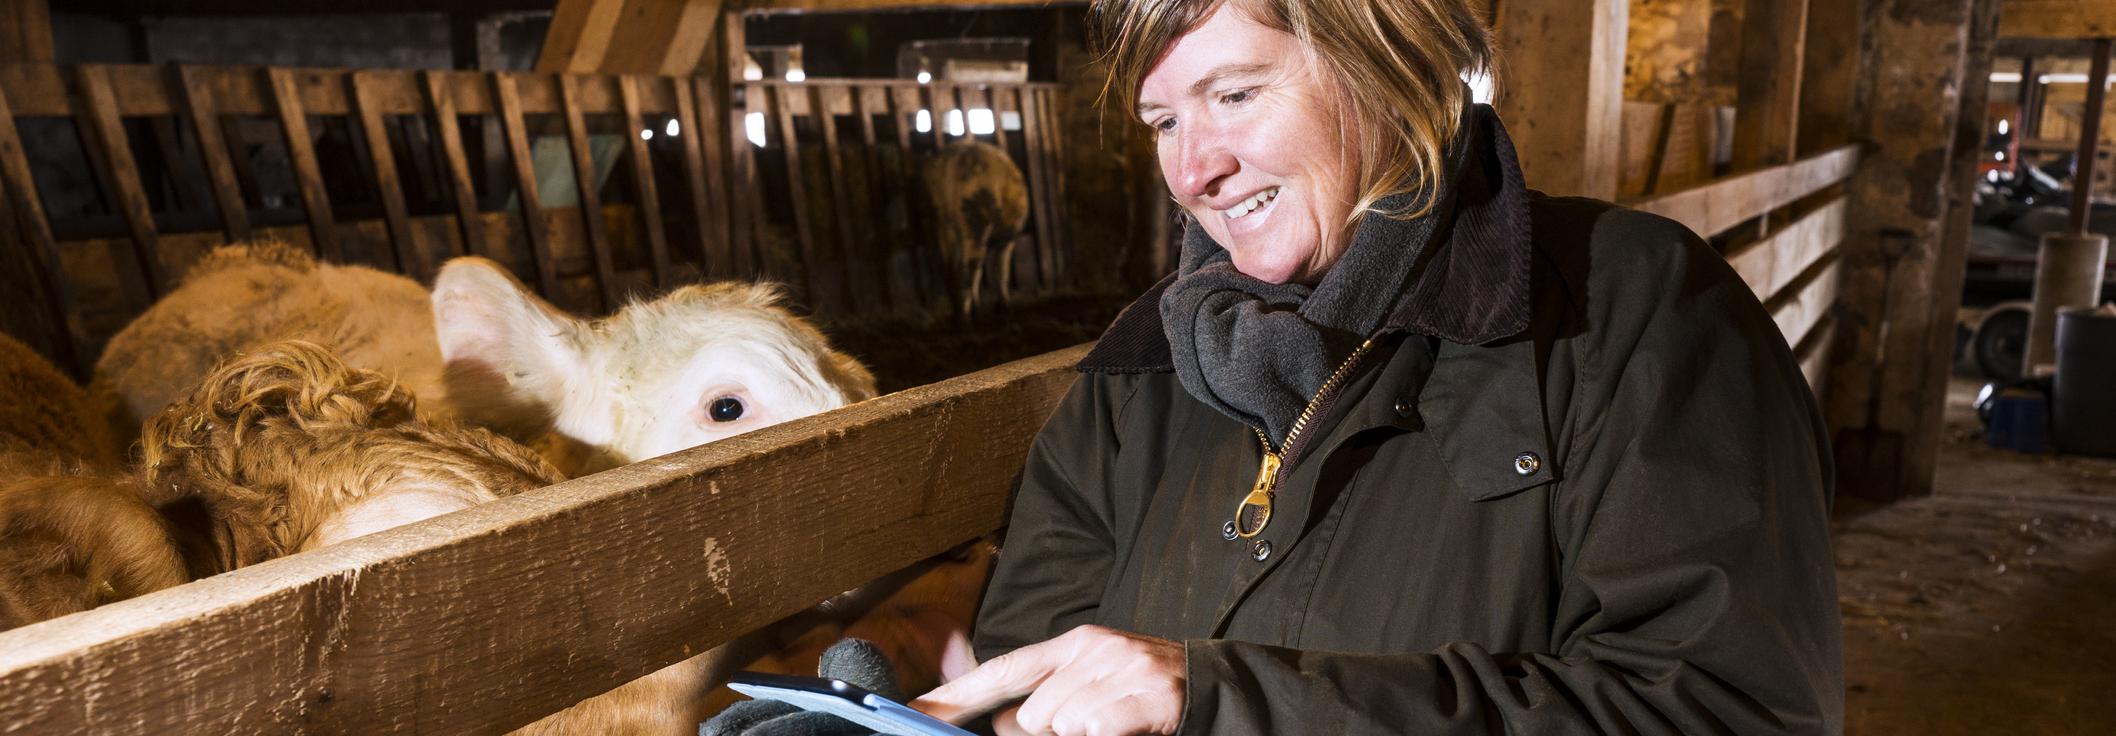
[
  {"x": 441, "y": 99},
  {"x": 864, "y": 106},
  {"x": 643, "y": 180},
  {"x": 491, "y": 617},
  {"x": 1813, "y": 354},
  {"x": 411, "y": 260},
  {"x": 1035, "y": 140},
  {"x": 852, "y": 268},
  {"x": 124, "y": 174},
  {"x": 938, "y": 98},
  {"x": 301, "y": 148},
  {"x": 1054, "y": 171},
  {"x": 708, "y": 203},
  {"x": 142, "y": 90},
  {"x": 1769, "y": 264},
  {"x": 780, "y": 99},
  {"x": 1712, "y": 208},
  {"x": 1804, "y": 302},
  {"x": 198, "y": 104},
  {"x": 35, "y": 228},
  {"x": 506, "y": 91},
  {"x": 25, "y": 31},
  {"x": 745, "y": 214},
  {"x": 905, "y": 102},
  {"x": 1564, "y": 86},
  {"x": 590, "y": 206}
]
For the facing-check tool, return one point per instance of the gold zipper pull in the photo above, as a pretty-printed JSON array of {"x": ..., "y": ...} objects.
[{"x": 1255, "y": 512}]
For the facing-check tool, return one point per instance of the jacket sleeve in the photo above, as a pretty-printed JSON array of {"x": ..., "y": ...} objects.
[
  {"x": 1697, "y": 592},
  {"x": 1051, "y": 573}
]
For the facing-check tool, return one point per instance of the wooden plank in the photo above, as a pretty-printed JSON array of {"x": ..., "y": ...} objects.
[
  {"x": 1767, "y": 111},
  {"x": 410, "y": 259},
  {"x": 853, "y": 270},
  {"x": 905, "y": 102},
  {"x": 712, "y": 230},
  {"x": 780, "y": 99},
  {"x": 301, "y": 148},
  {"x": 142, "y": 90},
  {"x": 579, "y": 587},
  {"x": 2057, "y": 19},
  {"x": 1813, "y": 354},
  {"x": 507, "y": 92},
  {"x": 441, "y": 99},
  {"x": 1564, "y": 97},
  {"x": 1712, "y": 208},
  {"x": 1769, "y": 264},
  {"x": 1833, "y": 47},
  {"x": 1804, "y": 302},
  {"x": 34, "y": 227},
  {"x": 580, "y": 33},
  {"x": 197, "y": 102},
  {"x": 938, "y": 97},
  {"x": 643, "y": 181},
  {"x": 131, "y": 198},
  {"x": 746, "y": 210}
]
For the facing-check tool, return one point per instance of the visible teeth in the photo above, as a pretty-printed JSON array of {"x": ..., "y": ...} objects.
[{"x": 1250, "y": 204}]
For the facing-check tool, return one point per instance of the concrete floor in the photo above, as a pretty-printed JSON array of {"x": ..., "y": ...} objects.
[{"x": 1989, "y": 607}]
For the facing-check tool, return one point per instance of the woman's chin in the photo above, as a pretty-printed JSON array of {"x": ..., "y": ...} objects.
[{"x": 1268, "y": 271}]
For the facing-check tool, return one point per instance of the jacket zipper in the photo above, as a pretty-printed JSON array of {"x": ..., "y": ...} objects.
[{"x": 1275, "y": 461}]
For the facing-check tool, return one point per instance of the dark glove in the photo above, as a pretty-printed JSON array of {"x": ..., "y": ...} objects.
[{"x": 856, "y": 661}]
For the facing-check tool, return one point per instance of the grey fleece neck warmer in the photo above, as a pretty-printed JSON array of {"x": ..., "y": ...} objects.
[{"x": 1258, "y": 351}]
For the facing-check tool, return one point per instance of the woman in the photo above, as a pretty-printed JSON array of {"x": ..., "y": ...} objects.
[{"x": 1402, "y": 446}]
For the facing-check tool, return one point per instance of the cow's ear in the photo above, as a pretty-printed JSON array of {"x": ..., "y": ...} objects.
[{"x": 510, "y": 355}]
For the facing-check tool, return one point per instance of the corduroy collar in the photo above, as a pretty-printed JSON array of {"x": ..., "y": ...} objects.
[{"x": 1471, "y": 289}]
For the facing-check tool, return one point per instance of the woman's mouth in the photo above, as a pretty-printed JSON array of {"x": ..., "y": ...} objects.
[{"x": 1251, "y": 204}]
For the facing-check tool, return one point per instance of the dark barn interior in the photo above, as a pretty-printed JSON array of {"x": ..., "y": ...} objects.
[{"x": 1919, "y": 191}]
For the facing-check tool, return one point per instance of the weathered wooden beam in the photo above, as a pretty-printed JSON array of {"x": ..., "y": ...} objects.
[
  {"x": 1767, "y": 111},
  {"x": 663, "y": 37},
  {"x": 2057, "y": 19},
  {"x": 1711, "y": 208},
  {"x": 643, "y": 178},
  {"x": 308, "y": 176},
  {"x": 129, "y": 197},
  {"x": 587, "y": 189},
  {"x": 1805, "y": 301},
  {"x": 411, "y": 260},
  {"x": 198, "y": 103},
  {"x": 25, "y": 31},
  {"x": 506, "y": 89},
  {"x": 1564, "y": 98},
  {"x": 1768, "y": 265},
  {"x": 1896, "y": 295},
  {"x": 35, "y": 254},
  {"x": 539, "y": 600},
  {"x": 441, "y": 99}
]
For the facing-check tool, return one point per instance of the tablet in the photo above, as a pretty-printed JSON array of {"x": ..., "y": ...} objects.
[{"x": 843, "y": 700}]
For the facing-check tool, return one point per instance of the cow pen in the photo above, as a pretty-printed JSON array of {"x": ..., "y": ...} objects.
[
  {"x": 490, "y": 618},
  {"x": 381, "y": 176}
]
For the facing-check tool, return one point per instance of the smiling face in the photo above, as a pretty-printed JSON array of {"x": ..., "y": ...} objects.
[{"x": 1250, "y": 141}]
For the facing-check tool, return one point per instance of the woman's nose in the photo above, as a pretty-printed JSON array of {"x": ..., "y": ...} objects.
[{"x": 1201, "y": 162}]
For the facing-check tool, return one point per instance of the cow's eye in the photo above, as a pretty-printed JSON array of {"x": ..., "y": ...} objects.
[{"x": 725, "y": 409}]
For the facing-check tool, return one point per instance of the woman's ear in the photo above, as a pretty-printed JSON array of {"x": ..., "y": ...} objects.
[{"x": 510, "y": 355}]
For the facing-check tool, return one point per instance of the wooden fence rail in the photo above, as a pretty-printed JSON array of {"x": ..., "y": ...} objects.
[
  {"x": 822, "y": 224},
  {"x": 1792, "y": 269},
  {"x": 490, "y": 618}
]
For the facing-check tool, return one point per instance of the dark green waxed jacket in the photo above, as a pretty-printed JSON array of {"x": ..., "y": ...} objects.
[{"x": 1579, "y": 485}]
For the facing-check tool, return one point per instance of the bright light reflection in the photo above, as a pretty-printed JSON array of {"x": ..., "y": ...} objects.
[
  {"x": 647, "y": 134},
  {"x": 753, "y": 123},
  {"x": 672, "y": 128},
  {"x": 924, "y": 122},
  {"x": 1010, "y": 120},
  {"x": 954, "y": 122},
  {"x": 924, "y": 77},
  {"x": 795, "y": 75},
  {"x": 981, "y": 122}
]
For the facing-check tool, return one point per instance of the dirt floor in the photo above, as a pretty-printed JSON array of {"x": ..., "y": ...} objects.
[{"x": 1989, "y": 607}]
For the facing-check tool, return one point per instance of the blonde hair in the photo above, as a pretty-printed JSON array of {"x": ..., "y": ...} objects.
[{"x": 1407, "y": 58}]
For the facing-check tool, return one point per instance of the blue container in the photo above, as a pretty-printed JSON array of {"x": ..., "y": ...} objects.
[{"x": 2020, "y": 421}]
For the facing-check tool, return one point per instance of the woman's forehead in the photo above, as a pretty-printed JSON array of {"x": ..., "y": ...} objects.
[{"x": 1227, "y": 44}]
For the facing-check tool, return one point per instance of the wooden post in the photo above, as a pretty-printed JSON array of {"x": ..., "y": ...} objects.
[
  {"x": 34, "y": 258},
  {"x": 129, "y": 197},
  {"x": 2090, "y": 137},
  {"x": 1829, "y": 77},
  {"x": 1896, "y": 298},
  {"x": 441, "y": 100},
  {"x": 2069, "y": 264},
  {"x": 1563, "y": 81},
  {"x": 699, "y": 139},
  {"x": 301, "y": 149},
  {"x": 197, "y": 100},
  {"x": 851, "y": 265},
  {"x": 661, "y": 37},
  {"x": 780, "y": 99},
  {"x": 1767, "y": 115}
]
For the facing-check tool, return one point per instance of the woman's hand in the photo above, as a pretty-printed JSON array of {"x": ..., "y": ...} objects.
[{"x": 1091, "y": 680}]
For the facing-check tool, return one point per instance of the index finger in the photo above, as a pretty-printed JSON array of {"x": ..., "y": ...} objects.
[{"x": 1006, "y": 678}]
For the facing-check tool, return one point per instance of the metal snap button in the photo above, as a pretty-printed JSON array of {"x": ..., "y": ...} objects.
[
  {"x": 1403, "y": 407},
  {"x": 1228, "y": 532},
  {"x": 1261, "y": 550},
  {"x": 1527, "y": 463}
]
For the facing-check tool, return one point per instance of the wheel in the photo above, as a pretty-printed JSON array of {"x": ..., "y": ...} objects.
[{"x": 2001, "y": 341}]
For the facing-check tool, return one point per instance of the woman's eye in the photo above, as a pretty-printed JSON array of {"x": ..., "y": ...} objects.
[
  {"x": 725, "y": 409},
  {"x": 1165, "y": 124},
  {"x": 1238, "y": 96}
]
